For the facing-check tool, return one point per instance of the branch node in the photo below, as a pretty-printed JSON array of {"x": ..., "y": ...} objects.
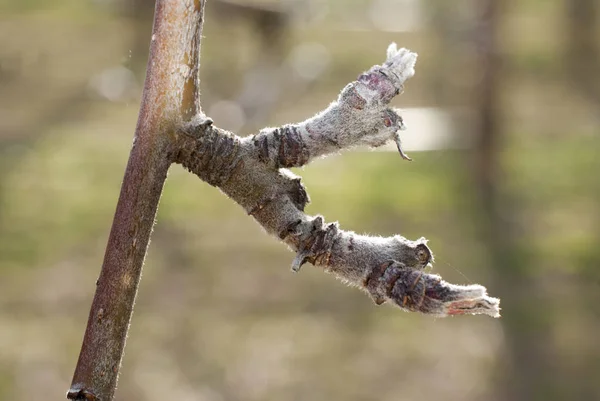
[
  {"x": 197, "y": 125},
  {"x": 317, "y": 247},
  {"x": 371, "y": 281},
  {"x": 283, "y": 147},
  {"x": 424, "y": 253},
  {"x": 81, "y": 395},
  {"x": 299, "y": 260},
  {"x": 205, "y": 122},
  {"x": 298, "y": 193},
  {"x": 293, "y": 229},
  {"x": 212, "y": 153}
]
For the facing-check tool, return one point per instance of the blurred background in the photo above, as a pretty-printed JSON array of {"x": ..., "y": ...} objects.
[{"x": 503, "y": 121}]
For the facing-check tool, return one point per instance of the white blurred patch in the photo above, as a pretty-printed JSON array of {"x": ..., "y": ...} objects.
[
  {"x": 396, "y": 15},
  {"x": 114, "y": 84},
  {"x": 228, "y": 115},
  {"x": 310, "y": 60},
  {"x": 260, "y": 91},
  {"x": 426, "y": 129}
]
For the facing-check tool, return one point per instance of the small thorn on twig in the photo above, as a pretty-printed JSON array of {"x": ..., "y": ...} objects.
[
  {"x": 299, "y": 260},
  {"x": 399, "y": 145}
]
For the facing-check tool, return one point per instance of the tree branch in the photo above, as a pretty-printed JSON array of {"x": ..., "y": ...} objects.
[
  {"x": 248, "y": 171},
  {"x": 360, "y": 116},
  {"x": 171, "y": 127},
  {"x": 170, "y": 96}
]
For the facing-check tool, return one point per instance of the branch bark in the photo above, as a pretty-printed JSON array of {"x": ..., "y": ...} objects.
[
  {"x": 171, "y": 128},
  {"x": 170, "y": 96},
  {"x": 248, "y": 171}
]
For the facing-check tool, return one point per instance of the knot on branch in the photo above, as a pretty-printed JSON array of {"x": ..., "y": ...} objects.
[
  {"x": 416, "y": 291},
  {"x": 316, "y": 247},
  {"x": 283, "y": 147},
  {"x": 213, "y": 154},
  {"x": 285, "y": 184},
  {"x": 297, "y": 193},
  {"x": 415, "y": 254}
]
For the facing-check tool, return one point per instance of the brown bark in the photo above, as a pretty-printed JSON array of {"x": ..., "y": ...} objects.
[{"x": 170, "y": 94}]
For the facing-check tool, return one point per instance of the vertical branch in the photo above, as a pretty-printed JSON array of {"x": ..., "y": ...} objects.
[{"x": 170, "y": 96}]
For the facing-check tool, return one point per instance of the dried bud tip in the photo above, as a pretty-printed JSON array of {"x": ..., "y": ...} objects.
[
  {"x": 471, "y": 300},
  {"x": 479, "y": 306},
  {"x": 399, "y": 146},
  {"x": 298, "y": 261},
  {"x": 401, "y": 62},
  {"x": 392, "y": 50}
]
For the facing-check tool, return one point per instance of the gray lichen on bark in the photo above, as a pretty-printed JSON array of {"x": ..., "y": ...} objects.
[{"x": 252, "y": 171}]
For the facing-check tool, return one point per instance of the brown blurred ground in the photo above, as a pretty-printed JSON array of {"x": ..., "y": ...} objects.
[{"x": 219, "y": 316}]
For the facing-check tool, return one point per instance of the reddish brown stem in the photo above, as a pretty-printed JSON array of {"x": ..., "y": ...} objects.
[{"x": 170, "y": 96}]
